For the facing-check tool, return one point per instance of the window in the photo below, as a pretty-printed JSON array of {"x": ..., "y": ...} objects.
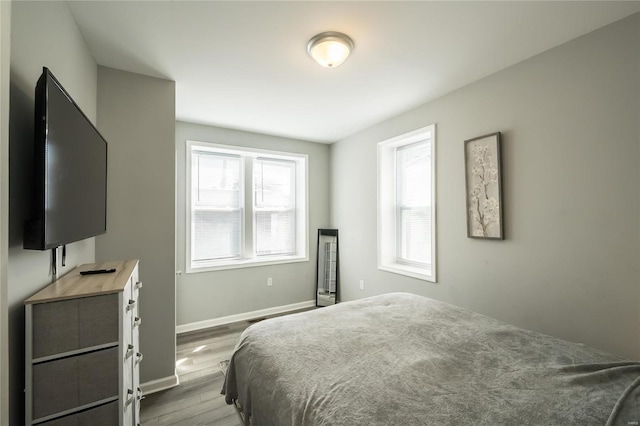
[
  {"x": 245, "y": 207},
  {"x": 406, "y": 204},
  {"x": 274, "y": 206}
]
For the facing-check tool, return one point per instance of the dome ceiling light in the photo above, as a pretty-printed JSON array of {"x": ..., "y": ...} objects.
[{"x": 330, "y": 48}]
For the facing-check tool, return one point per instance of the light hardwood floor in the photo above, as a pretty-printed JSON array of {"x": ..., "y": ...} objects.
[{"x": 197, "y": 400}]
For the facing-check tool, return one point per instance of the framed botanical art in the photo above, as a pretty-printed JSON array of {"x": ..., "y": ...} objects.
[{"x": 483, "y": 179}]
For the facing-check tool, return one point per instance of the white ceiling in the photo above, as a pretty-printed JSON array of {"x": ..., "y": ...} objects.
[{"x": 244, "y": 65}]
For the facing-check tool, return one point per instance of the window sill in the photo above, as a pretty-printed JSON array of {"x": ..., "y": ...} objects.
[
  {"x": 248, "y": 263},
  {"x": 409, "y": 271}
]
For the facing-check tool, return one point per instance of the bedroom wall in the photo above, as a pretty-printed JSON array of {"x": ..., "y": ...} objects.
[
  {"x": 137, "y": 117},
  {"x": 204, "y": 296},
  {"x": 569, "y": 266},
  {"x": 42, "y": 34},
  {"x": 5, "y": 59}
]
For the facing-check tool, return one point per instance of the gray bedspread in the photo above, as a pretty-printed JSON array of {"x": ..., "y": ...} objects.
[{"x": 401, "y": 359}]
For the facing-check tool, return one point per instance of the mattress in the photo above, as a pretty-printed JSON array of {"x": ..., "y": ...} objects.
[{"x": 403, "y": 359}]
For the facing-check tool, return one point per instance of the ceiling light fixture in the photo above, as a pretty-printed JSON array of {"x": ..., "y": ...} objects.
[{"x": 330, "y": 48}]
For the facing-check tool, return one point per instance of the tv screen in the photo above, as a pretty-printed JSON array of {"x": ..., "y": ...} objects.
[{"x": 70, "y": 185}]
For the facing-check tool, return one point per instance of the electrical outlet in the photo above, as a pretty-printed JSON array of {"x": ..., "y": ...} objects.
[
  {"x": 361, "y": 284},
  {"x": 269, "y": 282}
]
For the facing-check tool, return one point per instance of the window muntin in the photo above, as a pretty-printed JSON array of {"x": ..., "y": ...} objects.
[{"x": 246, "y": 207}]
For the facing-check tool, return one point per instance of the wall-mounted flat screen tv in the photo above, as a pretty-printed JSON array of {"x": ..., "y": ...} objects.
[{"x": 70, "y": 171}]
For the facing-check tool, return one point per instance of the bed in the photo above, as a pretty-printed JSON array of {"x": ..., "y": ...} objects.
[{"x": 401, "y": 359}]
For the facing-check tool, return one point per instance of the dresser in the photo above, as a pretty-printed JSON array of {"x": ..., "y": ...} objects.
[{"x": 81, "y": 348}]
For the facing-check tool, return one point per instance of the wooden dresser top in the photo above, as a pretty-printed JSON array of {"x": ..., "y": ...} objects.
[{"x": 74, "y": 285}]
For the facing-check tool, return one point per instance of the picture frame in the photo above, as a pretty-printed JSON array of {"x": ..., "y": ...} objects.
[{"x": 483, "y": 182}]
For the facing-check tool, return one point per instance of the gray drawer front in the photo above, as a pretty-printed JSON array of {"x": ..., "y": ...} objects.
[
  {"x": 104, "y": 415},
  {"x": 75, "y": 381},
  {"x": 74, "y": 324}
]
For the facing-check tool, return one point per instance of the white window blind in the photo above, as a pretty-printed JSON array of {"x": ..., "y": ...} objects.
[
  {"x": 217, "y": 208},
  {"x": 274, "y": 206},
  {"x": 413, "y": 220}
]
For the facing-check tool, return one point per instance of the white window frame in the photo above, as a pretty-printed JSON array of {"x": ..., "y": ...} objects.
[
  {"x": 248, "y": 256},
  {"x": 388, "y": 209}
]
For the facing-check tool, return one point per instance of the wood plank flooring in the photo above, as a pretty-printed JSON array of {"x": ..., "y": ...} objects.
[{"x": 197, "y": 400}]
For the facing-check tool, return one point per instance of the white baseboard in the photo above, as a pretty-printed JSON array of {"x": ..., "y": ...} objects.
[
  {"x": 160, "y": 384},
  {"x": 185, "y": 328}
]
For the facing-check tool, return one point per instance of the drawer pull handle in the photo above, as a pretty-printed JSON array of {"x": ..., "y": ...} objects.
[
  {"x": 129, "y": 351},
  {"x": 137, "y": 321},
  {"x": 138, "y": 285},
  {"x": 140, "y": 356},
  {"x": 131, "y": 304},
  {"x": 140, "y": 395},
  {"x": 130, "y": 399}
]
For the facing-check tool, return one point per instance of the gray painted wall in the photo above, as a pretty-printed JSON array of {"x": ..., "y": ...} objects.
[
  {"x": 206, "y": 295},
  {"x": 5, "y": 59},
  {"x": 571, "y": 148},
  {"x": 137, "y": 117},
  {"x": 42, "y": 34}
]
